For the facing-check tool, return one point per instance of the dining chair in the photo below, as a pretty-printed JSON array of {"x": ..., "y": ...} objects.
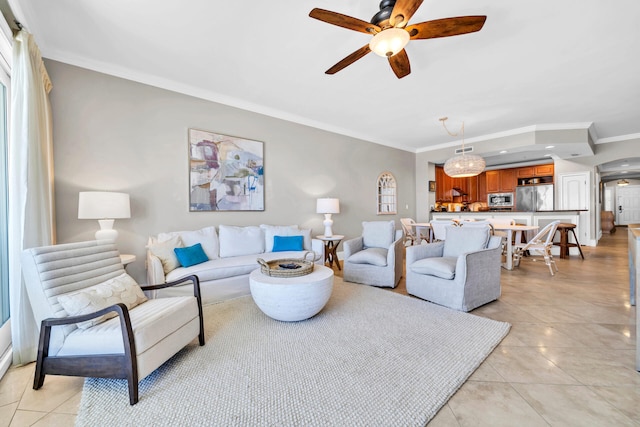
[
  {"x": 438, "y": 229},
  {"x": 413, "y": 234},
  {"x": 502, "y": 233},
  {"x": 477, "y": 224},
  {"x": 540, "y": 243}
]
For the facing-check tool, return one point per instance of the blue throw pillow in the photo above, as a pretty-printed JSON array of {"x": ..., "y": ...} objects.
[
  {"x": 287, "y": 243},
  {"x": 191, "y": 255}
]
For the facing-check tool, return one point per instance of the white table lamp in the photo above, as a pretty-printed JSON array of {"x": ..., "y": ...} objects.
[
  {"x": 106, "y": 207},
  {"x": 327, "y": 207}
]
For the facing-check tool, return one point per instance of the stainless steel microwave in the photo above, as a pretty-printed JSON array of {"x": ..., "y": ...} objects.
[{"x": 498, "y": 200}]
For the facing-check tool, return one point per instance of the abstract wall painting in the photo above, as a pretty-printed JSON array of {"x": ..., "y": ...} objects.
[{"x": 226, "y": 173}]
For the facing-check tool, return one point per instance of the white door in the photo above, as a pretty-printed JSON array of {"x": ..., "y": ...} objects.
[
  {"x": 574, "y": 191},
  {"x": 575, "y": 195},
  {"x": 628, "y": 208}
]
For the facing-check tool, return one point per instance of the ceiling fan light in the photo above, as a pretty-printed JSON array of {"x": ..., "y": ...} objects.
[
  {"x": 389, "y": 42},
  {"x": 464, "y": 165}
]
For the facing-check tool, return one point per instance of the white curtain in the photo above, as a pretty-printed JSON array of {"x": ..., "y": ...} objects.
[{"x": 31, "y": 202}]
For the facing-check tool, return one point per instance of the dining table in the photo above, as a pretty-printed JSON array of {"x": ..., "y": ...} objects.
[{"x": 513, "y": 230}]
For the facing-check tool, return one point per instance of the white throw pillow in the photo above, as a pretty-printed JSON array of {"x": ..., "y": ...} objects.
[
  {"x": 276, "y": 230},
  {"x": 164, "y": 251},
  {"x": 236, "y": 241},
  {"x": 121, "y": 289},
  {"x": 378, "y": 234},
  {"x": 306, "y": 234},
  {"x": 207, "y": 237}
]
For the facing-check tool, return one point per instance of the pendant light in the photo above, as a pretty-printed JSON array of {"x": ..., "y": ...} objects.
[{"x": 463, "y": 165}]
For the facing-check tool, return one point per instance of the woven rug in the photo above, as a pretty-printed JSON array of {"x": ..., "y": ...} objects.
[{"x": 371, "y": 357}]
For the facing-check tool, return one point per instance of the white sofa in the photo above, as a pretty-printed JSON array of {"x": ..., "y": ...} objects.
[{"x": 232, "y": 253}]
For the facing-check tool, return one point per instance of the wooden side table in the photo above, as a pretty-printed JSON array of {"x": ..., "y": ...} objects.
[
  {"x": 127, "y": 259},
  {"x": 330, "y": 248}
]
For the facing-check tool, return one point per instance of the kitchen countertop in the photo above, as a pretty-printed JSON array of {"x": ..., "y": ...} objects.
[{"x": 503, "y": 211}]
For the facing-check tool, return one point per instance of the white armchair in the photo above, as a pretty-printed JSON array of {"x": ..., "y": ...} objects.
[
  {"x": 94, "y": 319},
  {"x": 376, "y": 257},
  {"x": 461, "y": 273}
]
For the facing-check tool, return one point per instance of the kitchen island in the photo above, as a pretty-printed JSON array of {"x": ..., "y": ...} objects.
[{"x": 526, "y": 218}]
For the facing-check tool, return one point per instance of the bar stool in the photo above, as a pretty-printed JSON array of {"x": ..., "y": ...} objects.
[{"x": 564, "y": 228}]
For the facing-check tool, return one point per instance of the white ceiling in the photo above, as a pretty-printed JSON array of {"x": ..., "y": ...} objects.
[{"x": 545, "y": 63}]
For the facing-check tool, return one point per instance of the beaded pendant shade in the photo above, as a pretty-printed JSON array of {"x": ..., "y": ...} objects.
[{"x": 463, "y": 165}]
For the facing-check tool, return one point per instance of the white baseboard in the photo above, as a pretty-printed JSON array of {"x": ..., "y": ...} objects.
[{"x": 5, "y": 361}]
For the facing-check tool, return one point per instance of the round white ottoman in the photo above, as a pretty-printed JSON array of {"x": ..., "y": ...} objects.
[{"x": 292, "y": 298}]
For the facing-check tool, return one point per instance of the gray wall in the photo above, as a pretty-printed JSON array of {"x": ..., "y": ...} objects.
[{"x": 113, "y": 134}]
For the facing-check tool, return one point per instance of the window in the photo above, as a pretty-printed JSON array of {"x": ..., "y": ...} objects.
[
  {"x": 386, "y": 194},
  {"x": 5, "y": 84}
]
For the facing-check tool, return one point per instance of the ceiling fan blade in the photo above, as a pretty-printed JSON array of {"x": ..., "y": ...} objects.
[
  {"x": 344, "y": 21},
  {"x": 446, "y": 27},
  {"x": 403, "y": 11},
  {"x": 400, "y": 64},
  {"x": 349, "y": 60}
]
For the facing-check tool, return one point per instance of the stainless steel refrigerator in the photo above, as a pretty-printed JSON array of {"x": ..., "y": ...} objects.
[{"x": 534, "y": 198}]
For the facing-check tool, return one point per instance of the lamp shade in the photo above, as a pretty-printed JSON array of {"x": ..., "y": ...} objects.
[
  {"x": 389, "y": 42},
  {"x": 103, "y": 205},
  {"x": 327, "y": 205},
  {"x": 464, "y": 165}
]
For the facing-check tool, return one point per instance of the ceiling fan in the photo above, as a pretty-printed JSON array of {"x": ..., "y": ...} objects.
[{"x": 391, "y": 33}]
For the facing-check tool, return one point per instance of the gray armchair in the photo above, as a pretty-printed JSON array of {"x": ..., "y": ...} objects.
[
  {"x": 461, "y": 273},
  {"x": 376, "y": 257}
]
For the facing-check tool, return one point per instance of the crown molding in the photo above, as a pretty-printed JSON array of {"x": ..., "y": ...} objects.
[{"x": 618, "y": 138}]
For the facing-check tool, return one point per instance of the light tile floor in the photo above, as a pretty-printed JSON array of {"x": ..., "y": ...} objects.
[{"x": 568, "y": 360}]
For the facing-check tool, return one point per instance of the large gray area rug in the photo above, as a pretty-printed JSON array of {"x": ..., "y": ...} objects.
[{"x": 371, "y": 357}]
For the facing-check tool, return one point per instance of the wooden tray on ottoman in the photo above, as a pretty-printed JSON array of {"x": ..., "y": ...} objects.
[{"x": 274, "y": 269}]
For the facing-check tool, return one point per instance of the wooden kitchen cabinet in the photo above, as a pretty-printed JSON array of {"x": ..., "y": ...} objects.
[
  {"x": 482, "y": 187},
  {"x": 443, "y": 186},
  {"x": 501, "y": 181},
  {"x": 526, "y": 172},
  {"x": 493, "y": 181},
  {"x": 543, "y": 170},
  {"x": 535, "y": 171},
  {"x": 508, "y": 180},
  {"x": 472, "y": 189}
]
